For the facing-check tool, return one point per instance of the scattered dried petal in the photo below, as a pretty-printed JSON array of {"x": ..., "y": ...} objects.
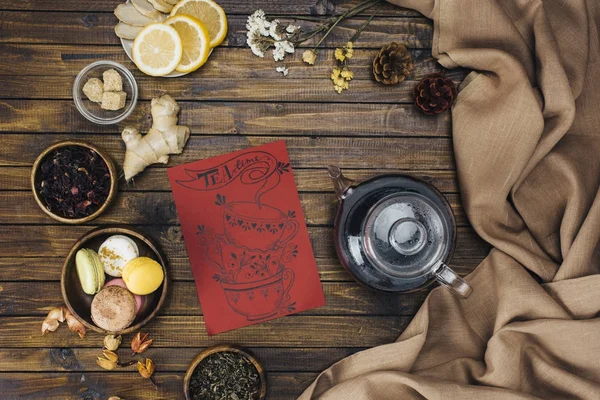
[
  {"x": 283, "y": 70},
  {"x": 112, "y": 342},
  {"x": 140, "y": 343}
]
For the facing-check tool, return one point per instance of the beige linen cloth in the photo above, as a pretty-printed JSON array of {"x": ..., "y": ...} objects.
[{"x": 526, "y": 131}]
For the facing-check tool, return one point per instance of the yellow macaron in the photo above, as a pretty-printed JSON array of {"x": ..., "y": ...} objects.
[{"x": 143, "y": 275}]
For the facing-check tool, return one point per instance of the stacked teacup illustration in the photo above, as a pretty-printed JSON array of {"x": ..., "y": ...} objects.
[{"x": 252, "y": 257}]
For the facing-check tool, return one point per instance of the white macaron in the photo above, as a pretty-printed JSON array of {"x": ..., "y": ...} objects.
[{"x": 115, "y": 252}]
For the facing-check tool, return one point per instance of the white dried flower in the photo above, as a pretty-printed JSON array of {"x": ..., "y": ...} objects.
[
  {"x": 258, "y": 22},
  {"x": 292, "y": 28},
  {"x": 281, "y": 48},
  {"x": 283, "y": 70},
  {"x": 276, "y": 31},
  {"x": 256, "y": 43}
]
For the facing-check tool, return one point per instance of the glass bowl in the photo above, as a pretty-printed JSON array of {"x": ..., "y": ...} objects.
[{"x": 92, "y": 110}]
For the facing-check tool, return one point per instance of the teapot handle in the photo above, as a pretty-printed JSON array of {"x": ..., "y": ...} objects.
[{"x": 452, "y": 281}]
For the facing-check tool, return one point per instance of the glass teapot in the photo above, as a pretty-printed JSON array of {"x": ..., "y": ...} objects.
[{"x": 395, "y": 233}]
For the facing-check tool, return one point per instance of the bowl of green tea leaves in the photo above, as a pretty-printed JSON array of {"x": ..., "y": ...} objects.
[{"x": 225, "y": 372}]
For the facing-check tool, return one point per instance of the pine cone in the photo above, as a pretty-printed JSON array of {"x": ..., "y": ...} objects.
[
  {"x": 434, "y": 94},
  {"x": 392, "y": 64}
]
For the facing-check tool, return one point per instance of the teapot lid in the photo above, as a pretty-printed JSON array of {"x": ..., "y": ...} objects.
[
  {"x": 393, "y": 232},
  {"x": 403, "y": 234}
]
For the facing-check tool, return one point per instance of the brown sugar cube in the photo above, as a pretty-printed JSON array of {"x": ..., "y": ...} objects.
[
  {"x": 112, "y": 81},
  {"x": 93, "y": 89},
  {"x": 113, "y": 100}
]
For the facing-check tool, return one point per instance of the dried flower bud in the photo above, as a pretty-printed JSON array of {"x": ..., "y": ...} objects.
[
  {"x": 146, "y": 369},
  {"x": 111, "y": 342},
  {"x": 54, "y": 317},
  {"x": 109, "y": 360},
  {"x": 74, "y": 324},
  {"x": 140, "y": 343},
  {"x": 309, "y": 57}
]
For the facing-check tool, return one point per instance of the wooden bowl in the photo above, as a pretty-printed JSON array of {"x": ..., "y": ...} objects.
[
  {"x": 79, "y": 303},
  {"x": 111, "y": 169},
  {"x": 220, "y": 348}
]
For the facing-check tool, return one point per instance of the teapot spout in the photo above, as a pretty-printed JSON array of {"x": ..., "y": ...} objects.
[{"x": 341, "y": 184}]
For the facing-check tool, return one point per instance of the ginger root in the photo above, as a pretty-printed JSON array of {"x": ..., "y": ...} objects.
[{"x": 164, "y": 138}]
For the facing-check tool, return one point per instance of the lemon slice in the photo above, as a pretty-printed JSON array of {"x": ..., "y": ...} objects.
[
  {"x": 195, "y": 40},
  {"x": 157, "y": 50},
  {"x": 208, "y": 12}
]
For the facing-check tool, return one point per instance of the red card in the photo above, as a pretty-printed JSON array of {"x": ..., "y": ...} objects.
[{"x": 245, "y": 235}]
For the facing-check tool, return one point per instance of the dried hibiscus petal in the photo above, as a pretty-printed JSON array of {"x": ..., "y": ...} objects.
[{"x": 74, "y": 181}]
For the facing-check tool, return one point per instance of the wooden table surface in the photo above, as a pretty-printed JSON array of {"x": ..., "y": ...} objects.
[{"x": 235, "y": 101}]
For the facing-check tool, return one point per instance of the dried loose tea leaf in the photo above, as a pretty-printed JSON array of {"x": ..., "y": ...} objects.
[{"x": 225, "y": 375}]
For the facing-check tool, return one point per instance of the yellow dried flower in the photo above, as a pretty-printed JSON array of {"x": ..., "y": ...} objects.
[
  {"x": 309, "y": 57},
  {"x": 349, "y": 48},
  {"x": 335, "y": 73},
  {"x": 339, "y": 81},
  {"x": 347, "y": 74},
  {"x": 339, "y": 54}
]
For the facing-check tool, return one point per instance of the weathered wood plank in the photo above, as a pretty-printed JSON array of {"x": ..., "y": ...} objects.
[
  {"x": 98, "y": 29},
  {"x": 195, "y": 87},
  {"x": 37, "y": 298},
  {"x": 231, "y": 7},
  {"x": 128, "y": 385},
  {"x": 388, "y": 153},
  {"x": 288, "y": 119},
  {"x": 152, "y": 208},
  {"x": 68, "y": 60},
  {"x": 180, "y": 331},
  {"x": 307, "y": 180},
  {"x": 48, "y": 268},
  {"x": 56, "y": 241},
  {"x": 168, "y": 359}
]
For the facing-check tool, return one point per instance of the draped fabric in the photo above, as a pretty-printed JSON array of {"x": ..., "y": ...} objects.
[{"x": 526, "y": 136}]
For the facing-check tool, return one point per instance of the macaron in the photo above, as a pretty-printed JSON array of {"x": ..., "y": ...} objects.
[
  {"x": 113, "y": 308},
  {"x": 89, "y": 270},
  {"x": 139, "y": 300},
  {"x": 143, "y": 275},
  {"x": 115, "y": 252}
]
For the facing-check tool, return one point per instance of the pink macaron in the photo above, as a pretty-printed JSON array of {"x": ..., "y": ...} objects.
[{"x": 139, "y": 300}]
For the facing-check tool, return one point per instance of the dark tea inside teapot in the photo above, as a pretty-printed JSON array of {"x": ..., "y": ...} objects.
[{"x": 395, "y": 233}]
